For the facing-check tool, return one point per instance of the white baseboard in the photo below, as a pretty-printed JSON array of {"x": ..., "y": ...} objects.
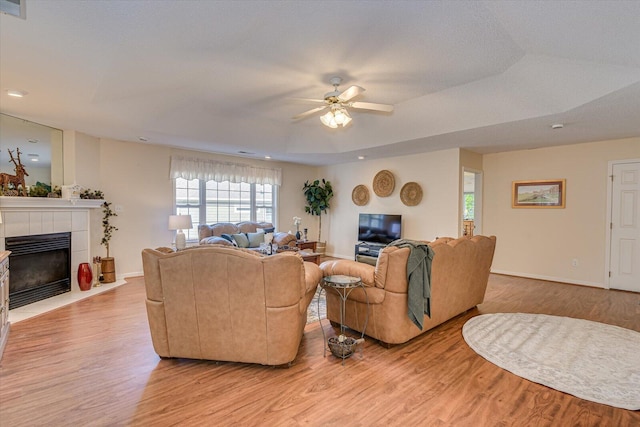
[
  {"x": 133, "y": 274},
  {"x": 550, "y": 278}
]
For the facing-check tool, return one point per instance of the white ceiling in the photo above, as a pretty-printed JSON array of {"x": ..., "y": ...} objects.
[{"x": 221, "y": 76}]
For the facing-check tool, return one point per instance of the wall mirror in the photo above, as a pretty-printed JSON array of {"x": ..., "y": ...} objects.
[{"x": 40, "y": 150}]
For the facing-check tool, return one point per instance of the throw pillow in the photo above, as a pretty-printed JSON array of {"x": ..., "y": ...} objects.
[
  {"x": 255, "y": 239},
  {"x": 215, "y": 240},
  {"x": 229, "y": 238},
  {"x": 241, "y": 239}
]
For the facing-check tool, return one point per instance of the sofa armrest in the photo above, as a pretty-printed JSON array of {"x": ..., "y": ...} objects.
[
  {"x": 284, "y": 239},
  {"x": 350, "y": 268},
  {"x": 312, "y": 276}
]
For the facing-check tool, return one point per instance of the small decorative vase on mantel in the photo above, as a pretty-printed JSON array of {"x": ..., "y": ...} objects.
[{"x": 85, "y": 276}]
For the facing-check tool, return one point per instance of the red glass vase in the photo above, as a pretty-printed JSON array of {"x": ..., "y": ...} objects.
[{"x": 85, "y": 276}]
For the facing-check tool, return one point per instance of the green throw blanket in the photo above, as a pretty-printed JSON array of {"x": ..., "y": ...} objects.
[{"x": 419, "y": 278}]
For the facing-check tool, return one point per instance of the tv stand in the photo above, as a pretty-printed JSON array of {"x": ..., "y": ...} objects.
[{"x": 368, "y": 252}]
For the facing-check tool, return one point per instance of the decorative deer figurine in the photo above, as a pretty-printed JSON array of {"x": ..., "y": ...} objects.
[{"x": 16, "y": 180}]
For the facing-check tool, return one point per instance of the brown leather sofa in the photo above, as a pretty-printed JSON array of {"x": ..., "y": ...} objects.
[
  {"x": 459, "y": 276},
  {"x": 210, "y": 234},
  {"x": 228, "y": 304}
]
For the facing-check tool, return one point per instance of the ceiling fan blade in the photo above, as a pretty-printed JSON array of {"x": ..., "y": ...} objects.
[
  {"x": 308, "y": 100},
  {"x": 307, "y": 113},
  {"x": 350, "y": 92},
  {"x": 371, "y": 106}
]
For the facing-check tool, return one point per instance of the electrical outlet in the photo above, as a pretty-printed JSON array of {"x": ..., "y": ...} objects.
[{"x": 574, "y": 262}]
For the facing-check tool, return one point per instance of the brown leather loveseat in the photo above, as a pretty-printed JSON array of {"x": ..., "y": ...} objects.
[
  {"x": 459, "y": 276},
  {"x": 228, "y": 304}
]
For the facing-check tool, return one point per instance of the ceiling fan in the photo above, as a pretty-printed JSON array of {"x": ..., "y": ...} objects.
[{"x": 338, "y": 102}]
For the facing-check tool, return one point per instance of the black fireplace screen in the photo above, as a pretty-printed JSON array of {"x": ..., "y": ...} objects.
[{"x": 40, "y": 267}]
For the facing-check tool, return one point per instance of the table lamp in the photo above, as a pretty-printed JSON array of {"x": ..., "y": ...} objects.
[{"x": 180, "y": 222}]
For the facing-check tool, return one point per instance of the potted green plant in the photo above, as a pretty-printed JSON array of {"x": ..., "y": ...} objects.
[
  {"x": 318, "y": 194},
  {"x": 108, "y": 263}
]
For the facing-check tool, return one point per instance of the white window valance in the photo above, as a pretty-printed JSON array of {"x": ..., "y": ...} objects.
[{"x": 213, "y": 170}]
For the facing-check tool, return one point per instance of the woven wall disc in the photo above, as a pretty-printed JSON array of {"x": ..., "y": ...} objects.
[
  {"x": 360, "y": 195},
  {"x": 411, "y": 193},
  {"x": 384, "y": 183}
]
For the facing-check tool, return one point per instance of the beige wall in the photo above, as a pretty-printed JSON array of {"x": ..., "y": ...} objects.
[
  {"x": 437, "y": 215},
  {"x": 542, "y": 243}
]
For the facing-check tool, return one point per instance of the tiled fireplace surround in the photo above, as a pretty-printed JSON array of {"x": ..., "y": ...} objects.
[{"x": 23, "y": 216}]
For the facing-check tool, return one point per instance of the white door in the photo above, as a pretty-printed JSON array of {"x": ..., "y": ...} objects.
[{"x": 625, "y": 227}]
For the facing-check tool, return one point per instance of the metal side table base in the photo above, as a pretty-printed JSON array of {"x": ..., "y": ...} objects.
[{"x": 343, "y": 346}]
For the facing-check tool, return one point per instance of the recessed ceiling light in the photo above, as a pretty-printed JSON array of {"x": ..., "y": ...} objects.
[
  {"x": 142, "y": 139},
  {"x": 361, "y": 157},
  {"x": 267, "y": 157},
  {"x": 557, "y": 126},
  {"x": 245, "y": 152},
  {"x": 34, "y": 157},
  {"x": 16, "y": 93},
  {"x": 33, "y": 141}
]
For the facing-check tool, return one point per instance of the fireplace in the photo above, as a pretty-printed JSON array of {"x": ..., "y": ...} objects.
[{"x": 40, "y": 267}]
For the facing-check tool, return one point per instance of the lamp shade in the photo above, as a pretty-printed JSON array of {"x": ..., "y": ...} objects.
[{"x": 180, "y": 222}]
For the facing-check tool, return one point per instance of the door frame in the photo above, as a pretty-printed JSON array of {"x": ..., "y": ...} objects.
[
  {"x": 607, "y": 224},
  {"x": 477, "y": 197}
]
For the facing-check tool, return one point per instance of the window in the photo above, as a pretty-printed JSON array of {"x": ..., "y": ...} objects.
[
  {"x": 209, "y": 202},
  {"x": 469, "y": 206}
]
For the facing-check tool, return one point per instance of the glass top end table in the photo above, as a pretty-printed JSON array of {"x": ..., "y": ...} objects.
[
  {"x": 343, "y": 346},
  {"x": 340, "y": 281}
]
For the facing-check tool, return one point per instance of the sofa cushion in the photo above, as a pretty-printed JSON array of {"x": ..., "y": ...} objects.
[
  {"x": 252, "y": 227},
  {"x": 255, "y": 239},
  {"x": 266, "y": 230},
  {"x": 215, "y": 240},
  {"x": 241, "y": 239}
]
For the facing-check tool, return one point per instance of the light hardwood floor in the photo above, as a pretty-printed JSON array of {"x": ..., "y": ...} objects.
[{"x": 92, "y": 364}]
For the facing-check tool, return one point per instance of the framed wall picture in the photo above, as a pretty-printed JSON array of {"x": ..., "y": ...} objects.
[{"x": 538, "y": 194}]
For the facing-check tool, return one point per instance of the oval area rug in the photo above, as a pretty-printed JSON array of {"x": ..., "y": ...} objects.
[{"x": 590, "y": 360}]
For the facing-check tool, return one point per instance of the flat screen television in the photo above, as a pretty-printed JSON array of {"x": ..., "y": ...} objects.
[{"x": 379, "y": 228}]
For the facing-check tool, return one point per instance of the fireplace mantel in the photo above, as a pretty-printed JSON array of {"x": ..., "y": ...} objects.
[{"x": 46, "y": 203}]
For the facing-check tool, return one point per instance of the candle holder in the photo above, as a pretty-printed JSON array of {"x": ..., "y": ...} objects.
[{"x": 97, "y": 264}]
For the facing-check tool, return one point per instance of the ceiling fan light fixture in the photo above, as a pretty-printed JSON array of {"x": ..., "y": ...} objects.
[
  {"x": 329, "y": 120},
  {"x": 341, "y": 116},
  {"x": 336, "y": 117}
]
